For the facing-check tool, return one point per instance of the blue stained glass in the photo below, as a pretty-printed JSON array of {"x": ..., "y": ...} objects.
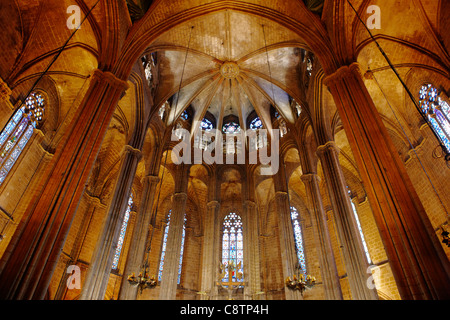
[
  {"x": 164, "y": 246},
  {"x": 366, "y": 250},
  {"x": 256, "y": 124},
  {"x": 231, "y": 128},
  {"x": 184, "y": 115},
  {"x": 440, "y": 132},
  {"x": 123, "y": 230},
  {"x": 18, "y": 132},
  {"x": 232, "y": 244},
  {"x": 206, "y": 125},
  {"x": 298, "y": 239},
  {"x": 445, "y": 107},
  {"x": 438, "y": 112}
]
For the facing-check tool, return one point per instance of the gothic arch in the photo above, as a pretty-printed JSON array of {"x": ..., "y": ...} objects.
[{"x": 149, "y": 29}]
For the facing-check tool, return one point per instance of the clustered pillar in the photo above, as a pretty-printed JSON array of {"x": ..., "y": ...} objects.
[
  {"x": 28, "y": 264},
  {"x": 418, "y": 262},
  {"x": 96, "y": 282},
  {"x": 354, "y": 257}
]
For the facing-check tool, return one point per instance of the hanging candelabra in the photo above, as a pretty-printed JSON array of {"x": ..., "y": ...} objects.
[
  {"x": 299, "y": 281},
  {"x": 143, "y": 280}
]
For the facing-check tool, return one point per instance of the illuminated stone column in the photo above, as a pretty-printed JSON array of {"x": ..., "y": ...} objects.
[
  {"x": 28, "y": 263},
  {"x": 287, "y": 242},
  {"x": 139, "y": 241},
  {"x": 354, "y": 257},
  {"x": 253, "y": 274},
  {"x": 418, "y": 261},
  {"x": 97, "y": 277},
  {"x": 210, "y": 256},
  {"x": 330, "y": 276},
  {"x": 169, "y": 277}
]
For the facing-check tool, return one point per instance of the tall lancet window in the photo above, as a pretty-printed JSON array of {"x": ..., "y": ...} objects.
[
  {"x": 18, "y": 132},
  {"x": 261, "y": 137},
  {"x": 123, "y": 231},
  {"x": 366, "y": 250},
  {"x": 435, "y": 107},
  {"x": 233, "y": 246},
  {"x": 295, "y": 217},
  {"x": 164, "y": 247}
]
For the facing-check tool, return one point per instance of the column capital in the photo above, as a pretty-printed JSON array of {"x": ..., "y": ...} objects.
[
  {"x": 110, "y": 78},
  {"x": 180, "y": 196},
  {"x": 213, "y": 204},
  {"x": 342, "y": 72},
  {"x": 281, "y": 194},
  {"x": 309, "y": 177},
  {"x": 152, "y": 178},
  {"x": 127, "y": 149},
  {"x": 330, "y": 145}
]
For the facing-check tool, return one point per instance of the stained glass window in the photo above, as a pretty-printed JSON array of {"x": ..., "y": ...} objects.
[
  {"x": 437, "y": 110},
  {"x": 261, "y": 138},
  {"x": 277, "y": 115},
  {"x": 366, "y": 251},
  {"x": 231, "y": 127},
  {"x": 233, "y": 245},
  {"x": 206, "y": 125},
  {"x": 256, "y": 124},
  {"x": 164, "y": 247},
  {"x": 123, "y": 230},
  {"x": 18, "y": 132},
  {"x": 298, "y": 239},
  {"x": 184, "y": 115}
]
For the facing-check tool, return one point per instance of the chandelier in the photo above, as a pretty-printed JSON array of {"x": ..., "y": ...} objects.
[
  {"x": 143, "y": 281},
  {"x": 299, "y": 281}
]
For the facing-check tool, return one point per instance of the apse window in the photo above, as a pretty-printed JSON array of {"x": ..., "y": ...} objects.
[
  {"x": 261, "y": 136},
  {"x": 437, "y": 110},
  {"x": 123, "y": 231},
  {"x": 295, "y": 218},
  {"x": 18, "y": 131},
  {"x": 231, "y": 144},
  {"x": 202, "y": 140},
  {"x": 233, "y": 248},
  {"x": 164, "y": 247},
  {"x": 184, "y": 115}
]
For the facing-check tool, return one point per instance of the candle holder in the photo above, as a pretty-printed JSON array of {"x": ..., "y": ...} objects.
[{"x": 299, "y": 281}]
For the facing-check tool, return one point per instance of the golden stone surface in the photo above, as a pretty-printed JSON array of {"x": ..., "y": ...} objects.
[{"x": 229, "y": 70}]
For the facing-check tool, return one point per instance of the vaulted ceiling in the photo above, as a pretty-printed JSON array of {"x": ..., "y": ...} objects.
[{"x": 229, "y": 63}]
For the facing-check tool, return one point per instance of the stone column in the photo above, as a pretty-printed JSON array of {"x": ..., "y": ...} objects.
[
  {"x": 28, "y": 263},
  {"x": 252, "y": 234},
  {"x": 97, "y": 277},
  {"x": 139, "y": 241},
  {"x": 210, "y": 256},
  {"x": 287, "y": 241},
  {"x": 330, "y": 276},
  {"x": 418, "y": 262},
  {"x": 354, "y": 257},
  {"x": 173, "y": 248}
]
